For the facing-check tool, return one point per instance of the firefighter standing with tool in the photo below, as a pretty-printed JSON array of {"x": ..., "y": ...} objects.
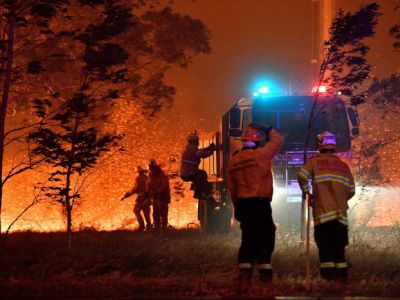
[
  {"x": 250, "y": 184},
  {"x": 333, "y": 185},
  {"x": 159, "y": 190},
  {"x": 142, "y": 202}
]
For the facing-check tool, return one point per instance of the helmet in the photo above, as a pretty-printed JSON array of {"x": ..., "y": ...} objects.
[
  {"x": 139, "y": 169},
  {"x": 326, "y": 140},
  {"x": 253, "y": 135},
  {"x": 193, "y": 137},
  {"x": 152, "y": 163}
]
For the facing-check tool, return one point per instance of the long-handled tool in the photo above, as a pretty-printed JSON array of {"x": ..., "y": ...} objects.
[{"x": 307, "y": 221}]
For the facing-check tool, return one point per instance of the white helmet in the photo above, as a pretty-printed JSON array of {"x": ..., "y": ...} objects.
[{"x": 326, "y": 140}]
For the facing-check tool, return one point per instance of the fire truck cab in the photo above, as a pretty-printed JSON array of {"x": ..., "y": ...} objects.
[{"x": 289, "y": 115}]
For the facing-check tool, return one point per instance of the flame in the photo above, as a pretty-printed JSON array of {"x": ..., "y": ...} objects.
[{"x": 99, "y": 207}]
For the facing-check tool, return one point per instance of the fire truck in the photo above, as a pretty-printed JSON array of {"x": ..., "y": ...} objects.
[{"x": 289, "y": 114}]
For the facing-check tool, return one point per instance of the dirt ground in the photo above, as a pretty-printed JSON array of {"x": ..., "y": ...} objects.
[{"x": 184, "y": 264}]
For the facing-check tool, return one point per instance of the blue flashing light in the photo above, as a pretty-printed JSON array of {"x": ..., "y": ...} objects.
[
  {"x": 255, "y": 94},
  {"x": 263, "y": 90}
]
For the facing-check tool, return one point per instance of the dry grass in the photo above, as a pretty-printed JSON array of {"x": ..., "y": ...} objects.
[{"x": 183, "y": 264}]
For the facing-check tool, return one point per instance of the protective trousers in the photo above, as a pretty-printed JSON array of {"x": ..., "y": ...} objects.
[
  {"x": 142, "y": 204},
  {"x": 160, "y": 214},
  {"x": 331, "y": 239},
  {"x": 258, "y": 233},
  {"x": 202, "y": 188}
]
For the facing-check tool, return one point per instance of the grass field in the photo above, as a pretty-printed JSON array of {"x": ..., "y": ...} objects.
[{"x": 183, "y": 263}]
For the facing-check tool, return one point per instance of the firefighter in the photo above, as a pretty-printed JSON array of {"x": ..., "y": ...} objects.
[
  {"x": 250, "y": 186},
  {"x": 190, "y": 162},
  {"x": 190, "y": 172},
  {"x": 159, "y": 190},
  {"x": 332, "y": 186},
  {"x": 143, "y": 201}
]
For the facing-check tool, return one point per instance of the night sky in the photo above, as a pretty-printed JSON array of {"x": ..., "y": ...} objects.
[{"x": 253, "y": 39}]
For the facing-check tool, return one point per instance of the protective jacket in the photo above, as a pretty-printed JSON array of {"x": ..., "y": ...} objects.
[
  {"x": 333, "y": 185},
  {"x": 158, "y": 185},
  {"x": 249, "y": 170},
  {"x": 191, "y": 158},
  {"x": 140, "y": 188}
]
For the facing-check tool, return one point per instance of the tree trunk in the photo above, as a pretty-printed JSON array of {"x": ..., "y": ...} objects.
[
  {"x": 68, "y": 204},
  {"x": 69, "y": 224},
  {"x": 6, "y": 90}
]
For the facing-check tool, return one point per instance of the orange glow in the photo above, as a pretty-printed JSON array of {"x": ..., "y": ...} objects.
[{"x": 100, "y": 206}]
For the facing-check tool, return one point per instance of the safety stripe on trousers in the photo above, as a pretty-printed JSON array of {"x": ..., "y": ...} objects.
[
  {"x": 264, "y": 266},
  {"x": 332, "y": 215},
  {"x": 341, "y": 265},
  {"x": 245, "y": 266},
  {"x": 329, "y": 264}
]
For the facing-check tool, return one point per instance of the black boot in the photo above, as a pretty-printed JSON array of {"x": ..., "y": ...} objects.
[
  {"x": 265, "y": 275},
  {"x": 245, "y": 276},
  {"x": 341, "y": 274},
  {"x": 328, "y": 273}
]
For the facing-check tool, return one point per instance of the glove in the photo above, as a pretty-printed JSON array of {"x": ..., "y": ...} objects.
[
  {"x": 261, "y": 127},
  {"x": 212, "y": 147},
  {"x": 311, "y": 198}
]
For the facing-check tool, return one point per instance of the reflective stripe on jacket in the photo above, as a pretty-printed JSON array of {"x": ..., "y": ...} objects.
[
  {"x": 191, "y": 159},
  {"x": 333, "y": 185},
  {"x": 249, "y": 170}
]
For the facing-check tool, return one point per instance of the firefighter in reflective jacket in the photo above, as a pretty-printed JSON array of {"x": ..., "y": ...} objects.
[
  {"x": 333, "y": 185},
  {"x": 250, "y": 186},
  {"x": 143, "y": 201}
]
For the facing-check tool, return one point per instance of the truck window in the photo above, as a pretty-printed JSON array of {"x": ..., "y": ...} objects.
[
  {"x": 293, "y": 125},
  {"x": 246, "y": 118}
]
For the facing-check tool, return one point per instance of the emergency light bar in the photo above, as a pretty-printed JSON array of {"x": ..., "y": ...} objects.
[
  {"x": 262, "y": 91},
  {"x": 322, "y": 89}
]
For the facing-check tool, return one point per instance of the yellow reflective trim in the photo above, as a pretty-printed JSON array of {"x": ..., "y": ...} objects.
[
  {"x": 304, "y": 174},
  {"x": 244, "y": 266},
  {"x": 341, "y": 265},
  {"x": 327, "y": 264},
  {"x": 333, "y": 175},
  {"x": 264, "y": 266}
]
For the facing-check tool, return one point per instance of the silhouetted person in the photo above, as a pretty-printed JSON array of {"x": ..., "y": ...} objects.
[
  {"x": 143, "y": 201},
  {"x": 160, "y": 192}
]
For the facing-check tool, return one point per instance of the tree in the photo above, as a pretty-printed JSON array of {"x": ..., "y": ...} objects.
[
  {"x": 112, "y": 53},
  {"x": 344, "y": 68},
  {"x": 383, "y": 94},
  {"x": 30, "y": 20}
]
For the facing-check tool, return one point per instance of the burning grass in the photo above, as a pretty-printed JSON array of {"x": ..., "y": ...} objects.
[{"x": 183, "y": 263}]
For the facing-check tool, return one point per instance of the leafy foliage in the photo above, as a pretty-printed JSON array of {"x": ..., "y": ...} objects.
[
  {"x": 346, "y": 63},
  {"x": 80, "y": 57},
  {"x": 386, "y": 93},
  {"x": 395, "y": 32}
]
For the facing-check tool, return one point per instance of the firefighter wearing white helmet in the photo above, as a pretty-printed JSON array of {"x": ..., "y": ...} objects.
[
  {"x": 250, "y": 184},
  {"x": 332, "y": 186},
  {"x": 190, "y": 162}
]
